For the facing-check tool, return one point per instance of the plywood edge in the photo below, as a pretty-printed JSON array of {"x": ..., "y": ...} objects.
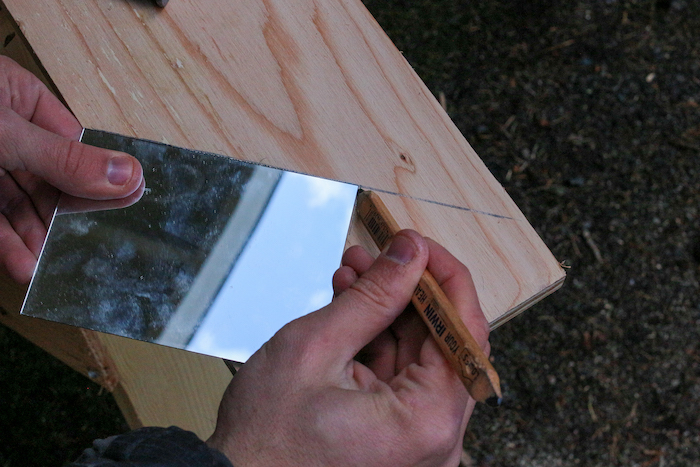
[
  {"x": 75, "y": 347},
  {"x": 515, "y": 311},
  {"x": 126, "y": 407}
]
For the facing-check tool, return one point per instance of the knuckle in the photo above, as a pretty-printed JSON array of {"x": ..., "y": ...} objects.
[
  {"x": 8, "y": 142},
  {"x": 69, "y": 157},
  {"x": 301, "y": 345},
  {"x": 373, "y": 293},
  {"x": 12, "y": 200},
  {"x": 9, "y": 205},
  {"x": 290, "y": 344},
  {"x": 20, "y": 89},
  {"x": 480, "y": 330}
]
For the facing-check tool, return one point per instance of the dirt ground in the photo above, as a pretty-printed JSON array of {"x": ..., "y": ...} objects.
[{"x": 588, "y": 113}]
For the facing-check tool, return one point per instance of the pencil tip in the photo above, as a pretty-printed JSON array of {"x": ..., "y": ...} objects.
[{"x": 494, "y": 401}]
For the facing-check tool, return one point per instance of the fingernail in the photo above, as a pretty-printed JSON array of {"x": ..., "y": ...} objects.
[
  {"x": 402, "y": 250},
  {"x": 120, "y": 170}
]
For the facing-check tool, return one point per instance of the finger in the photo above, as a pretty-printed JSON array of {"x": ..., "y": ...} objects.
[
  {"x": 397, "y": 347},
  {"x": 75, "y": 168},
  {"x": 358, "y": 259},
  {"x": 343, "y": 278},
  {"x": 373, "y": 302},
  {"x": 380, "y": 355},
  {"x": 44, "y": 196},
  {"x": 410, "y": 333},
  {"x": 355, "y": 262},
  {"x": 51, "y": 115},
  {"x": 455, "y": 280},
  {"x": 15, "y": 258},
  {"x": 19, "y": 212},
  {"x": 72, "y": 204},
  {"x": 28, "y": 97}
]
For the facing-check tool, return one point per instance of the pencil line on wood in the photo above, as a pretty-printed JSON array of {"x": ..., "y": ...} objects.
[{"x": 438, "y": 203}]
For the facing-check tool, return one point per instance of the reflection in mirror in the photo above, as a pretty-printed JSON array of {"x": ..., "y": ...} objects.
[
  {"x": 215, "y": 257},
  {"x": 71, "y": 204}
]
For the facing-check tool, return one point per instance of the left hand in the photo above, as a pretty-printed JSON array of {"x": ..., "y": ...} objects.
[{"x": 40, "y": 157}]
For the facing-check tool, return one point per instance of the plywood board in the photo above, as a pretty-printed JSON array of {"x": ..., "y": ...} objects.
[
  {"x": 162, "y": 386},
  {"x": 313, "y": 86}
]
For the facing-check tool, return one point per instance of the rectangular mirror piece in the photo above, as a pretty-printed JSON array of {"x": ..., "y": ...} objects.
[{"x": 215, "y": 256}]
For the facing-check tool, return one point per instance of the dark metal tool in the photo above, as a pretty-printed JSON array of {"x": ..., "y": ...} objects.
[{"x": 161, "y": 3}]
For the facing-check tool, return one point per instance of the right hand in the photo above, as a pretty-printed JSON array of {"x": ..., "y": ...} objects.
[{"x": 304, "y": 399}]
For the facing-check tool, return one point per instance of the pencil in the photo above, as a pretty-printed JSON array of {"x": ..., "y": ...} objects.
[{"x": 447, "y": 328}]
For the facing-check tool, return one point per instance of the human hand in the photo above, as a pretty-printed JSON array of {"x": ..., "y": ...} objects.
[
  {"x": 40, "y": 157},
  {"x": 305, "y": 399}
]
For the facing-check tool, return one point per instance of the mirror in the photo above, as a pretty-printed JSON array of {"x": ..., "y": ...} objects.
[{"x": 215, "y": 256}]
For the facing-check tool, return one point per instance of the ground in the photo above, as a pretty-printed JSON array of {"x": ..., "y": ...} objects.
[{"x": 588, "y": 113}]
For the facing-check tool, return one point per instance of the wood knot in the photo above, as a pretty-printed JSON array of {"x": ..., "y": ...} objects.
[{"x": 406, "y": 162}]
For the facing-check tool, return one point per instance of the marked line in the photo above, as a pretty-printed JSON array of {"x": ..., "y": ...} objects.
[{"x": 439, "y": 203}]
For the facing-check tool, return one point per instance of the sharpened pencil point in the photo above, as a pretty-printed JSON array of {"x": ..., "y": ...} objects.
[{"x": 494, "y": 401}]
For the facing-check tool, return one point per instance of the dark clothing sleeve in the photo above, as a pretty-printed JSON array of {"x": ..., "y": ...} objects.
[{"x": 152, "y": 447}]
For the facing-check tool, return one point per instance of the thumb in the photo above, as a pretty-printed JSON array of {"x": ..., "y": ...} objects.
[
  {"x": 377, "y": 298},
  {"x": 75, "y": 168}
]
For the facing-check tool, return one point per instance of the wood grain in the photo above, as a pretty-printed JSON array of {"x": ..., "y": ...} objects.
[
  {"x": 165, "y": 386},
  {"x": 308, "y": 85},
  {"x": 313, "y": 86}
]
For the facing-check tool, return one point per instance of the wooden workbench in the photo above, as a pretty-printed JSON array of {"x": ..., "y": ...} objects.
[{"x": 311, "y": 86}]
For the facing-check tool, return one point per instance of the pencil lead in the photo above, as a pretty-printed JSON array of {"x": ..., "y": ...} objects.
[{"x": 494, "y": 401}]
